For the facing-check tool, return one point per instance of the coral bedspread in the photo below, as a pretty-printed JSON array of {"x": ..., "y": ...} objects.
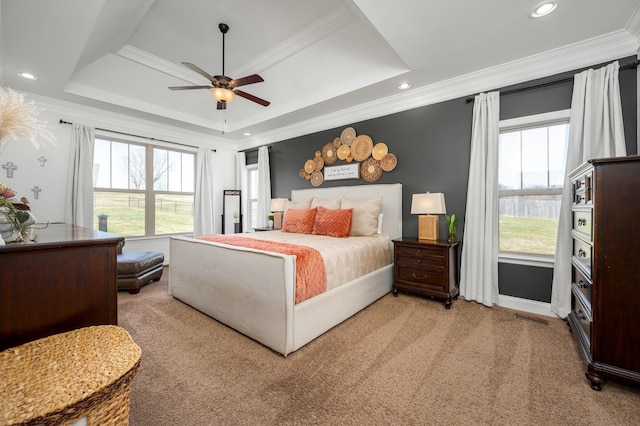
[{"x": 311, "y": 273}]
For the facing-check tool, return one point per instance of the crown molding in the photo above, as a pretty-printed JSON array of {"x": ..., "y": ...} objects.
[
  {"x": 122, "y": 123},
  {"x": 575, "y": 56},
  {"x": 633, "y": 25}
]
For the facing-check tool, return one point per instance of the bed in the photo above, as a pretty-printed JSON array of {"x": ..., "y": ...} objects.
[{"x": 253, "y": 290}]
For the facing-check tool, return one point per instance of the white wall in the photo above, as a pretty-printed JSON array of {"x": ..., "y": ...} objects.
[{"x": 52, "y": 177}]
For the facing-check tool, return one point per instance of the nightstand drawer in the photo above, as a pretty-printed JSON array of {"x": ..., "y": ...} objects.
[
  {"x": 409, "y": 261},
  {"x": 433, "y": 255},
  {"x": 582, "y": 253},
  {"x": 422, "y": 276},
  {"x": 582, "y": 284},
  {"x": 584, "y": 317}
]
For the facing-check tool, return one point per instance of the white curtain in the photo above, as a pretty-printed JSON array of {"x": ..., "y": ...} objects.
[
  {"x": 203, "y": 217},
  {"x": 595, "y": 131},
  {"x": 241, "y": 184},
  {"x": 479, "y": 269},
  {"x": 79, "y": 198},
  {"x": 264, "y": 187}
]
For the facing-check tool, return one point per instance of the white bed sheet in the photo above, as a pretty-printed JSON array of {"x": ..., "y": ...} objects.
[{"x": 345, "y": 258}]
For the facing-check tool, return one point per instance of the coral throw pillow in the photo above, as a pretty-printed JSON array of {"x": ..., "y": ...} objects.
[
  {"x": 334, "y": 223},
  {"x": 299, "y": 221}
]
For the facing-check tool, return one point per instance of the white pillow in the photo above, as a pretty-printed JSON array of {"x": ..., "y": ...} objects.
[
  {"x": 365, "y": 215},
  {"x": 327, "y": 204},
  {"x": 297, "y": 205},
  {"x": 380, "y": 217}
]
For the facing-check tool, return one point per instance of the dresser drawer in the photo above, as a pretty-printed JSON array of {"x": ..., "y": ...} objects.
[
  {"x": 582, "y": 284},
  {"x": 434, "y": 256},
  {"x": 422, "y": 276},
  {"x": 584, "y": 318},
  {"x": 582, "y": 192},
  {"x": 582, "y": 252},
  {"x": 582, "y": 222}
]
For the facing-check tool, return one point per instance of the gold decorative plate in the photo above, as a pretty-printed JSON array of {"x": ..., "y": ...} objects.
[
  {"x": 336, "y": 143},
  {"x": 343, "y": 152},
  {"x": 379, "y": 151},
  {"x": 361, "y": 147},
  {"x": 301, "y": 173},
  {"x": 329, "y": 154},
  {"x": 309, "y": 166},
  {"x": 348, "y": 135},
  {"x": 370, "y": 170},
  {"x": 317, "y": 178},
  {"x": 318, "y": 163},
  {"x": 388, "y": 162}
]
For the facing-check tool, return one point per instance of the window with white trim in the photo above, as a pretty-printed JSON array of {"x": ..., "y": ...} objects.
[
  {"x": 142, "y": 190},
  {"x": 532, "y": 154}
]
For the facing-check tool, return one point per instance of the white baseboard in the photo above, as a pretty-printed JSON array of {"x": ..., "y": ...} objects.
[{"x": 526, "y": 305}]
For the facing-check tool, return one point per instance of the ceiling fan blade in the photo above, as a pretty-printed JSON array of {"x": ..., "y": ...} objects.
[
  {"x": 222, "y": 105},
  {"x": 198, "y": 70},
  {"x": 252, "y": 98},
  {"x": 189, "y": 87},
  {"x": 255, "y": 78}
]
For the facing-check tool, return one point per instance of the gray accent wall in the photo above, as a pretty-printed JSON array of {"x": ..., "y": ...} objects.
[{"x": 432, "y": 144}]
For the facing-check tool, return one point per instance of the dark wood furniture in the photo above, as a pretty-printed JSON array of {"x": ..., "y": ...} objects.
[
  {"x": 605, "y": 286},
  {"x": 63, "y": 281},
  {"x": 428, "y": 268}
]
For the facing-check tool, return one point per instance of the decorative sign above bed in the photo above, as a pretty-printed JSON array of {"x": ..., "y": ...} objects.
[{"x": 371, "y": 159}]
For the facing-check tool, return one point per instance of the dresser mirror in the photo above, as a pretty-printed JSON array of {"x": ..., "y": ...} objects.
[{"x": 231, "y": 212}]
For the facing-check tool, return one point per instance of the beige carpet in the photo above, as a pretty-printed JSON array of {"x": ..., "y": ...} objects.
[{"x": 402, "y": 360}]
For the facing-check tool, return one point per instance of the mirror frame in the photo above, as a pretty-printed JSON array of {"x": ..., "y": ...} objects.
[{"x": 237, "y": 225}]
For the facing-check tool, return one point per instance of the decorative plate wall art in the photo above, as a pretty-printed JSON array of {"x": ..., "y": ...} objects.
[{"x": 369, "y": 159}]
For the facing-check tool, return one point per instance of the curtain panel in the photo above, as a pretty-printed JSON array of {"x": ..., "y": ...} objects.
[
  {"x": 79, "y": 196},
  {"x": 479, "y": 265},
  {"x": 264, "y": 187},
  {"x": 241, "y": 184},
  {"x": 595, "y": 131},
  {"x": 203, "y": 216}
]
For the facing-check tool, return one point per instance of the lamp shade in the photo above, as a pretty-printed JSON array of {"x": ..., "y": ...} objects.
[
  {"x": 429, "y": 203},
  {"x": 221, "y": 94},
  {"x": 277, "y": 204}
]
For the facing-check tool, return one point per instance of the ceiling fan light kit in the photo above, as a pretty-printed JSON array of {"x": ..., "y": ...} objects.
[{"x": 223, "y": 88}]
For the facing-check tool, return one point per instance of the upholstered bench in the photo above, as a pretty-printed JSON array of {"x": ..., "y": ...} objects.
[{"x": 138, "y": 268}]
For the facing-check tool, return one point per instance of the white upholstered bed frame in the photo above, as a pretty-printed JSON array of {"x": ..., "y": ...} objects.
[{"x": 253, "y": 291}]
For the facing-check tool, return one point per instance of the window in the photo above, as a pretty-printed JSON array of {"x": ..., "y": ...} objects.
[
  {"x": 532, "y": 152},
  {"x": 124, "y": 202},
  {"x": 252, "y": 195}
]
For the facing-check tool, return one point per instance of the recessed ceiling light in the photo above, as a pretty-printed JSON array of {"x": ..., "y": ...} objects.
[
  {"x": 404, "y": 86},
  {"x": 543, "y": 9},
  {"x": 27, "y": 76},
  {"x": 247, "y": 134}
]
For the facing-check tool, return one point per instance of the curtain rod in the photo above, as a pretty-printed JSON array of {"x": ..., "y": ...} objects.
[
  {"x": 138, "y": 136},
  {"x": 631, "y": 64}
]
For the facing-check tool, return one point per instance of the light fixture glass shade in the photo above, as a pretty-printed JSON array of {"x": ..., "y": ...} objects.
[
  {"x": 277, "y": 204},
  {"x": 429, "y": 203},
  {"x": 221, "y": 94}
]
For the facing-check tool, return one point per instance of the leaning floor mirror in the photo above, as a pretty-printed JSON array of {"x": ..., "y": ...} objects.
[{"x": 231, "y": 212}]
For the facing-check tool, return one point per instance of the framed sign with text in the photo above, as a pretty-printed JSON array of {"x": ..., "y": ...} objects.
[{"x": 345, "y": 171}]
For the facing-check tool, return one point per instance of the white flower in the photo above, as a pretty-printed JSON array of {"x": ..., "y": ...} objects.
[{"x": 19, "y": 120}]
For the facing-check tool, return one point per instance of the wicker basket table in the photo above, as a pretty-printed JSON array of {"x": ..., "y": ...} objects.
[{"x": 62, "y": 378}]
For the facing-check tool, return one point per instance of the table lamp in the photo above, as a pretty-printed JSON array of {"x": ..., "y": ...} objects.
[
  {"x": 427, "y": 206},
  {"x": 277, "y": 208}
]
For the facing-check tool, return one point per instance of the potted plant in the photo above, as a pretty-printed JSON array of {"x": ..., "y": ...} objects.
[{"x": 452, "y": 222}]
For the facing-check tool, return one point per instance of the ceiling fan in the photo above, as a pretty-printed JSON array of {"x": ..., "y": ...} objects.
[{"x": 223, "y": 88}]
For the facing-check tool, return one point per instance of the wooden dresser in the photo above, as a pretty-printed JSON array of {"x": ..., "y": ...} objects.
[
  {"x": 63, "y": 281},
  {"x": 429, "y": 268},
  {"x": 605, "y": 288}
]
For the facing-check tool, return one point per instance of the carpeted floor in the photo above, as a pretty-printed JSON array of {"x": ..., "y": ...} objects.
[{"x": 402, "y": 360}]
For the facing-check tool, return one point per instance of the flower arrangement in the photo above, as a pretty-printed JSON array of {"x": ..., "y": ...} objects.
[
  {"x": 15, "y": 217},
  {"x": 18, "y": 119}
]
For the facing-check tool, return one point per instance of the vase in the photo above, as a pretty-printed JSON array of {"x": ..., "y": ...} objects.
[
  {"x": 9, "y": 232},
  {"x": 451, "y": 238}
]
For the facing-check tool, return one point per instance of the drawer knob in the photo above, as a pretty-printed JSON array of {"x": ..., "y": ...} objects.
[
  {"x": 582, "y": 284},
  {"x": 419, "y": 260},
  {"x": 419, "y": 250},
  {"x": 582, "y": 253},
  {"x": 582, "y": 221},
  {"x": 422, "y": 277},
  {"x": 581, "y": 316}
]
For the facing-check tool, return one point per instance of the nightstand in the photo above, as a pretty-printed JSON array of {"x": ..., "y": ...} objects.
[
  {"x": 265, "y": 228},
  {"x": 428, "y": 268}
]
